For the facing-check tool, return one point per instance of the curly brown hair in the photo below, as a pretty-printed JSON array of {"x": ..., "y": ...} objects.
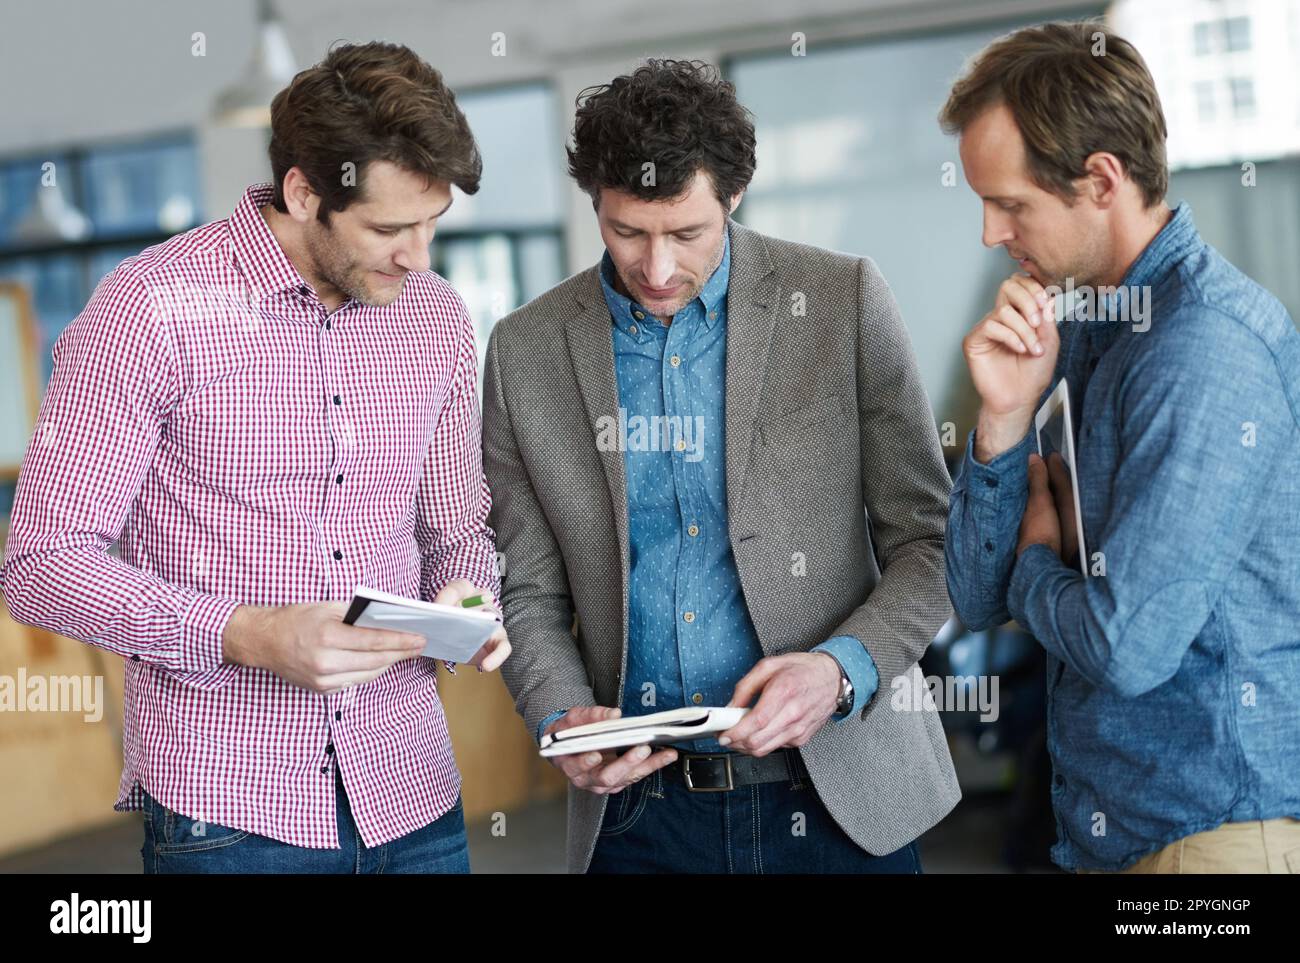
[
  {"x": 679, "y": 116},
  {"x": 363, "y": 103}
]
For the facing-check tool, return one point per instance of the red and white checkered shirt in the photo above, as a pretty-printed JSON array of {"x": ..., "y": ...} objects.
[{"x": 242, "y": 446}]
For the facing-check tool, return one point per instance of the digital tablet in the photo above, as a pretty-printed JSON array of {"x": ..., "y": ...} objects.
[{"x": 1055, "y": 431}]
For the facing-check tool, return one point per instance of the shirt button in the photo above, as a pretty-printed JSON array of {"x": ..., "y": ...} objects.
[
  {"x": 338, "y": 715},
  {"x": 135, "y": 658},
  {"x": 329, "y": 749},
  {"x": 328, "y": 325},
  {"x": 697, "y": 698},
  {"x": 681, "y": 444},
  {"x": 338, "y": 556},
  {"x": 693, "y": 531},
  {"x": 713, "y": 315},
  {"x": 675, "y": 361},
  {"x": 991, "y": 482},
  {"x": 338, "y": 399},
  {"x": 988, "y": 546},
  {"x": 633, "y": 329},
  {"x": 689, "y": 617},
  {"x": 338, "y": 479},
  {"x": 638, "y": 315}
]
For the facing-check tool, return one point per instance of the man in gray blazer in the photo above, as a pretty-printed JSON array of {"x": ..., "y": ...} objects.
[{"x": 716, "y": 480}]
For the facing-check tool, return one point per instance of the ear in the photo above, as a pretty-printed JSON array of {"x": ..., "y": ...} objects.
[
  {"x": 735, "y": 201},
  {"x": 299, "y": 198},
  {"x": 1103, "y": 177}
]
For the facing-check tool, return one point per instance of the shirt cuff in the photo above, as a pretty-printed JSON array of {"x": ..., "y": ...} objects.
[
  {"x": 541, "y": 726},
  {"x": 856, "y": 663},
  {"x": 1034, "y": 562},
  {"x": 202, "y": 627},
  {"x": 1004, "y": 477}
]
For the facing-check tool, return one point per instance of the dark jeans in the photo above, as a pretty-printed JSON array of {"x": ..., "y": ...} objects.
[
  {"x": 659, "y": 826},
  {"x": 178, "y": 844}
]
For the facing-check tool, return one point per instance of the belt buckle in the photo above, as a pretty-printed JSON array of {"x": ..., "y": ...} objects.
[{"x": 686, "y": 773}]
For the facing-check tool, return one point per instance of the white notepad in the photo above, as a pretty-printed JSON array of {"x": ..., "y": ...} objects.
[
  {"x": 450, "y": 633},
  {"x": 656, "y": 729}
]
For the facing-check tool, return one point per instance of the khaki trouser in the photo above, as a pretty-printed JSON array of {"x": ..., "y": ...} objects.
[{"x": 1262, "y": 846}]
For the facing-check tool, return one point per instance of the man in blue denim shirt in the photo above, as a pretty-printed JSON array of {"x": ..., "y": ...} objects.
[{"x": 1173, "y": 704}]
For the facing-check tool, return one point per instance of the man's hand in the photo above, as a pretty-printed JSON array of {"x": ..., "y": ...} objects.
[
  {"x": 605, "y": 773},
  {"x": 797, "y": 693},
  {"x": 1063, "y": 493},
  {"x": 1040, "y": 525},
  {"x": 497, "y": 648},
  {"x": 309, "y": 646},
  {"x": 1011, "y": 354}
]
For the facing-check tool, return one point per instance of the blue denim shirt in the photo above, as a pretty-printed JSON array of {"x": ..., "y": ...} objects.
[
  {"x": 690, "y": 636},
  {"x": 1173, "y": 673}
]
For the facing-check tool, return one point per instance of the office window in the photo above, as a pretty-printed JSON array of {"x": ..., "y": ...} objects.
[
  {"x": 1229, "y": 35},
  {"x": 504, "y": 245},
  {"x": 141, "y": 189},
  {"x": 1201, "y": 38},
  {"x": 121, "y": 197},
  {"x": 1236, "y": 34},
  {"x": 851, "y": 158},
  {"x": 129, "y": 196},
  {"x": 1218, "y": 108},
  {"x": 1243, "y": 97}
]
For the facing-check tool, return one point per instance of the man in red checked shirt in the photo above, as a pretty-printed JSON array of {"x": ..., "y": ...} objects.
[{"x": 264, "y": 413}]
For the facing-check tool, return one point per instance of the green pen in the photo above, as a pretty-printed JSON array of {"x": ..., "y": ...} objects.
[{"x": 472, "y": 601}]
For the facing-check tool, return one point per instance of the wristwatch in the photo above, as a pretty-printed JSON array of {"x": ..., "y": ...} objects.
[{"x": 846, "y": 693}]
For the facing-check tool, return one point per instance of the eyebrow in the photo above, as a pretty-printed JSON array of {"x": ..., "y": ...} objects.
[
  {"x": 681, "y": 230},
  {"x": 397, "y": 227}
]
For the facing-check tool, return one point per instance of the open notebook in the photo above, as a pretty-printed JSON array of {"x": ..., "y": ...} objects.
[{"x": 656, "y": 729}]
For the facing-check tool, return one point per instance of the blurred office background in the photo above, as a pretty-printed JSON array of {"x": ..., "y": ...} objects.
[{"x": 125, "y": 123}]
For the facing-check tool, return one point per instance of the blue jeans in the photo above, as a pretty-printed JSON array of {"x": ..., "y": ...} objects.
[
  {"x": 172, "y": 846},
  {"x": 660, "y": 826}
]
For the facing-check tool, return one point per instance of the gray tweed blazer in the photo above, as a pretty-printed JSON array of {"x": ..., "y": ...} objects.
[{"x": 825, "y": 417}]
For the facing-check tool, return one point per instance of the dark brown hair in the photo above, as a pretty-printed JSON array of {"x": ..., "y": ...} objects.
[
  {"x": 1073, "y": 89},
  {"x": 363, "y": 103},
  {"x": 680, "y": 116}
]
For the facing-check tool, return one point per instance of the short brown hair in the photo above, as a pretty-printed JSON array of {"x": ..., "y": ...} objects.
[
  {"x": 363, "y": 103},
  {"x": 1070, "y": 97},
  {"x": 680, "y": 116}
]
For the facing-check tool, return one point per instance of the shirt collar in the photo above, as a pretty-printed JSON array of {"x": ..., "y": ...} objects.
[
  {"x": 1176, "y": 240},
  {"x": 265, "y": 266},
  {"x": 1107, "y": 307},
  {"x": 628, "y": 315}
]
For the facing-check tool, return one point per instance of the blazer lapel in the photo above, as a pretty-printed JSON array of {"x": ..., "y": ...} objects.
[
  {"x": 752, "y": 296},
  {"x": 589, "y": 331}
]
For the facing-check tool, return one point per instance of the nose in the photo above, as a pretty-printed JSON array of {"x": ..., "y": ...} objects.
[
  {"x": 658, "y": 266},
  {"x": 414, "y": 253},
  {"x": 997, "y": 227}
]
